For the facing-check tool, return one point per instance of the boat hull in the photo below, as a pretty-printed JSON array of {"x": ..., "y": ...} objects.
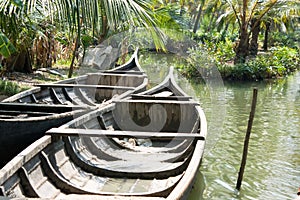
[{"x": 17, "y": 134}]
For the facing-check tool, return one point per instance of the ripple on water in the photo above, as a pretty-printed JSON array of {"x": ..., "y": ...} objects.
[{"x": 272, "y": 170}]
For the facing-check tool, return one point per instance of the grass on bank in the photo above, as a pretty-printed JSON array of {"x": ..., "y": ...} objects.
[{"x": 10, "y": 88}]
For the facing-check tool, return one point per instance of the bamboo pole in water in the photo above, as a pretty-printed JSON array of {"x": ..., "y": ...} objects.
[{"x": 246, "y": 141}]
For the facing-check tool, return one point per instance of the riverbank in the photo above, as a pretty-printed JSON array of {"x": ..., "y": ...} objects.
[
  {"x": 15, "y": 82},
  {"x": 276, "y": 63},
  {"x": 2, "y": 97}
]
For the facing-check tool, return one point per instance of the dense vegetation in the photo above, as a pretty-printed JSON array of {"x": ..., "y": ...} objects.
[{"x": 246, "y": 39}]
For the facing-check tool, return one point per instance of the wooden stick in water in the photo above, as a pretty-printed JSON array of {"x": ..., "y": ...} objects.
[{"x": 246, "y": 141}]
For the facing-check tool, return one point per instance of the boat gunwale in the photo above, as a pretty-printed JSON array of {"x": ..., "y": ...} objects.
[
  {"x": 133, "y": 60},
  {"x": 37, "y": 89},
  {"x": 23, "y": 157},
  {"x": 169, "y": 82},
  {"x": 184, "y": 186},
  {"x": 73, "y": 111}
]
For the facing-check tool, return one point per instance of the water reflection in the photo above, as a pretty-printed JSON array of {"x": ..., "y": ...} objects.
[{"x": 273, "y": 165}]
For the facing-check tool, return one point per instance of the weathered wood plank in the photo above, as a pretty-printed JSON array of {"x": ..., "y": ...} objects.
[
  {"x": 157, "y": 101},
  {"x": 123, "y": 72},
  {"x": 86, "y": 86},
  {"x": 120, "y": 73},
  {"x": 54, "y": 96},
  {"x": 151, "y": 97},
  {"x": 39, "y": 107},
  {"x": 114, "y": 133},
  {"x": 13, "y": 113}
]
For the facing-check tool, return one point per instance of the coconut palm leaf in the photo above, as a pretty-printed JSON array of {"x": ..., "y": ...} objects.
[
  {"x": 98, "y": 17},
  {"x": 6, "y": 47},
  {"x": 20, "y": 21}
]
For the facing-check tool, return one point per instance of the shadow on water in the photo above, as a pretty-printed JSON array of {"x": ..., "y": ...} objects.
[{"x": 198, "y": 187}]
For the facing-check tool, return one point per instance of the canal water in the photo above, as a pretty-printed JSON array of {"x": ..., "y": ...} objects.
[{"x": 273, "y": 165}]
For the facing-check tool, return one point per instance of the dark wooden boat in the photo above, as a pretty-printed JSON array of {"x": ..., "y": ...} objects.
[
  {"x": 90, "y": 89},
  {"x": 26, "y": 116},
  {"x": 92, "y": 157},
  {"x": 22, "y": 124}
]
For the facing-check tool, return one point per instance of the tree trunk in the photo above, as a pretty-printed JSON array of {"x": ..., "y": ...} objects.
[
  {"x": 182, "y": 8},
  {"x": 265, "y": 46},
  {"x": 104, "y": 29},
  {"x": 196, "y": 25},
  {"x": 241, "y": 52},
  {"x": 255, "y": 26},
  {"x": 71, "y": 69}
]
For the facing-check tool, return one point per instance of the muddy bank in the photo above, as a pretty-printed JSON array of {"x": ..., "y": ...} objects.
[{"x": 2, "y": 97}]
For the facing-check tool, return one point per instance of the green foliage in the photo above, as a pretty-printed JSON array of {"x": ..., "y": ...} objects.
[
  {"x": 199, "y": 63},
  {"x": 280, "y": 62},
  {"x": 17, "y": 3},
  {"x": 285, "y": 39},
  {"x": 287, "y": 57},
  {"x": 222, "y": 51},
  {"x": 23, "y": 23},
  {"x": 6, "y": 47},
  {"x": 10, "y": 88},
  {"x": 212, "y": 53},
  {"x": 169, "y": 17}
]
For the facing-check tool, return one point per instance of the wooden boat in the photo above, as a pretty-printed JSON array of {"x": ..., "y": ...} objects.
[
  {"x": 26, "y": 116},
  {"x": 22, "y": 124},
  {"x": 90, "y": 89},
  {"x": 90, "y": 157}
]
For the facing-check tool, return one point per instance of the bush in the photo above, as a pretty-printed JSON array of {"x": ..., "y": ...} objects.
[
  {"x": 199, "y": 63},
  {"x": 10, "y": 88},
  {"x": 285, "y": 39},
  {"x": 224, "y": 52},
  {"x": 287, "y": 57},
  {"x": 205, "y": 56},
  {"x": 280, "y": 62}
]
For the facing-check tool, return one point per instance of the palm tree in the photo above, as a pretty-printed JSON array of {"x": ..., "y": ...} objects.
[
  {"x": 248, "y": 15},
  {"x": 198, "y": 16},
  {"x": 251, "y": 16},
  {"x": 96, "y": 18},
  {"x": 283, "y": 17}
]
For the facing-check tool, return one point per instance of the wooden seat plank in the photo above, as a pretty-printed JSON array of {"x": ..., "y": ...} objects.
[
  {"x": 116, "y": 72},
  {"x": 151, "y": 97},
  {"x": 16, "y": 112},
  {"x": 40, "y": 107},
  {"x": 115, "y": 133},
  {"x": 86, "y": 86},
  {"x": 156, "y": 101}
]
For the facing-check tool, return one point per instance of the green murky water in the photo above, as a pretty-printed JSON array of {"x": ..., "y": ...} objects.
[{"x": 273, "y": 165}]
